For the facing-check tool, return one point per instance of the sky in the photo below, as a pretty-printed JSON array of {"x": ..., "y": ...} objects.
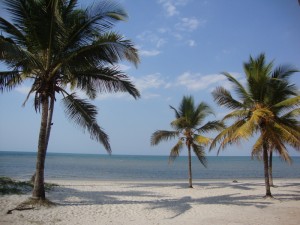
[{"x": 184, "y": 45}]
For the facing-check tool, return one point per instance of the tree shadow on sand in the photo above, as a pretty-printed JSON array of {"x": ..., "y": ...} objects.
[{"x": 153, "y": 200}]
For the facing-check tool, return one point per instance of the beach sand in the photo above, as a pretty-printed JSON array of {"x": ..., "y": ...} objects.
[{"x": 156, "y": 202}]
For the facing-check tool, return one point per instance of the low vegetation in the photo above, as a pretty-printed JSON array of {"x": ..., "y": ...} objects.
[{"x": 11, "y": 186}]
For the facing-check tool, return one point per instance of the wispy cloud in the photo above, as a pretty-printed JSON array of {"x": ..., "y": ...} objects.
[
  {"x": 153, "y": 38},
  {"x": 149, "y": 81},
  {"x": 189, "y": 24},
  {"x": 171, "y": 6},
  {"x": 197, "y": 81},
  {"x": 149, "y": 52}
]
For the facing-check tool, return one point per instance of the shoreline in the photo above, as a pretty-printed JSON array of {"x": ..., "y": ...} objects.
[{"x": 161, "y": 202}]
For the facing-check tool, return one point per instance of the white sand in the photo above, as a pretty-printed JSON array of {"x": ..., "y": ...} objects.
[{"x": 117, "y": 203}]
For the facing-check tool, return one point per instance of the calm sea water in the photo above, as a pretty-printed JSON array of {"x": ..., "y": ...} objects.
[{"x": 21, "y": 165}]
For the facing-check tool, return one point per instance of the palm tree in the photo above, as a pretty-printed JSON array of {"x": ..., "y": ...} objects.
[
  {"x": 282, "y": 90},
  {"x": 188, "y": 131},
  {"x": 61, "y": 48},
  {"x": 265, "y": 108}
]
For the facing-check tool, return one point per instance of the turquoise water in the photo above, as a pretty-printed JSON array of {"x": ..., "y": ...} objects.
[{"x": 21, "y": 165}]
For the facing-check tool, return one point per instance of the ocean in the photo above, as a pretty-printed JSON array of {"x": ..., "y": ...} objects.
[{"x": 21, "y": 165}]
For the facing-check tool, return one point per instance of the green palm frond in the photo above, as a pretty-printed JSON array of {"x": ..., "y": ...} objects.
[
  {"x": 9, "y": 80},
  {"x": 177, "y": 114},
  {"x": 10, "y": 29},
  {"x": 175, "y": 151},
  {"x": 238, "y": 87},
  {"x": 16, "y": 57},
  {"x": 224, "y": 98},
  {"x": 288, "y": 104},
  {"x": 108, "y": 48},
  {"x": 201, "y": 112},
  {"x": 200, "y": 153},
  {"x": 163, "y": 135},
  {"x": 103, "y": 79},
  {"x": 84, "y": 115},
  {"x": 237, "y": 114},
  {"x": 180, "y": 124},
  {"x": 283, "y": 72},
  {"x": 215, "y": 125}
]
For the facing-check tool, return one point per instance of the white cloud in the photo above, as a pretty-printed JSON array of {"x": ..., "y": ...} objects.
[
  {"x": 149, "y": 52},
  {"x": 148, "y": 81},
  {"x": 198, "y": 81},
  {"x": 153, "y": 38},
  {"x": 171, "y": 6},
  {"x": 189, "y": 24}
]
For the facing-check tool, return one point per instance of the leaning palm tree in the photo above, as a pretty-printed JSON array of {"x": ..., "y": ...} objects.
[
  {"x": 60, "y": 48},
  {"x": 266, "y": 107},
  {"x": 188, "y": 131}
]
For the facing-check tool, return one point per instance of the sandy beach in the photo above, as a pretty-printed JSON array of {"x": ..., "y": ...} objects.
[{"x": 148, "y": 202}]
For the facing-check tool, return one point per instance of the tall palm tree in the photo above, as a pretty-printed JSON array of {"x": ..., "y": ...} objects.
[
  {"x": 188, "y": 130},
  {"x": 282, "y": 90},
  {"x": 61, "y": 48},
  {"x": 266, "y": 106}
]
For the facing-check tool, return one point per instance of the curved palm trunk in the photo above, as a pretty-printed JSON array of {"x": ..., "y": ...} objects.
[
  {"x": 266, "y": 171},
  {"x": 39, "y": 189},
  {"x": 271, "y": 169},
  {"x": 190, "y": 166}
]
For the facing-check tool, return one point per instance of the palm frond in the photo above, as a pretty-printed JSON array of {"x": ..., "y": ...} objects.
[
  {"x": 180, "y": 124},
  {"x": 9, "y": 80},
  {"x": 177, "y": 114},
  {"x": 201, "y": 112},
  {"x": 223, "y": 98},
  {"x": 108, "y": 48},
  {"x": 201, "y": 140},
  {"x": 291, "y": 114},
  {"x": 12, "y": 31},
  {"x": 163, "y": 135},
  {"x": 289, "y": 103},
  {"x": 175, "y": 151},
  {"x": 225, "y": 137},
  {"x": 103, "y": 79},
  {"x": 215, "y": 125},
  {"x": 283, "y": 72},
  {"x": 258, "y": 148},
  {"x": 200, "y": 153},
  {"x": 84, "y": 115},
  {"x": 238, "y": 88}
]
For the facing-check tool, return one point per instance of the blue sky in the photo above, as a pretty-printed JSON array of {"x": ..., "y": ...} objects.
[{"x": 183, "y": 46}]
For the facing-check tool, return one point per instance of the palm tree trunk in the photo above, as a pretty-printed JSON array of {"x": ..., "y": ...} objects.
[
  {"x": 266, "y": 171},
  {"x": 39, "y": 189},
  {"x": 271, "y": 169},
  {"x": 190, "y": 167},
  {"x": 49, "y": 125},
  {"x": 49, "y": 120}
]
